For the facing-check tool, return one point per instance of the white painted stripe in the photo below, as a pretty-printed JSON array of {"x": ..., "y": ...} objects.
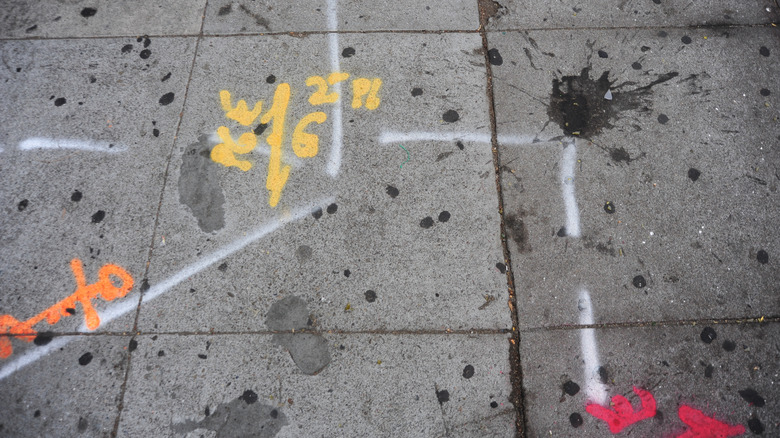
[
  {"x": 568, "y": 164},
  {"x": 503, "y": 139},
  {"x": 263, "y": 149},
  {"x": 117, "y": 310},
  {"x": 63, "y": 143},
  {"x": 594, "y": 389},
  {"x": 337, "y": 140}
]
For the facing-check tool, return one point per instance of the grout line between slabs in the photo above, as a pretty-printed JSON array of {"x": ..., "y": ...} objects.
[{"x": 145, "y": 283}]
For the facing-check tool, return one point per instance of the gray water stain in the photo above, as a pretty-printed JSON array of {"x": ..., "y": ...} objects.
[
  {"x": 199, "y": 187},
  {"x": 240, "y": 418},
  {"x": 309, "y": 351}
]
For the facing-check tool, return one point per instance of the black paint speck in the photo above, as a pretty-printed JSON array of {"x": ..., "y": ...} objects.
[
  {"x": 60, "y": 101},
  {"x": 468, "y": 372},
  {"x": 147, "y": 42},
  {"x": 43, "y": 338},
  {"x": 332, "y": 208},
  {"x": 751, "y": 396},
  {"x": 708, "y": 335},
  {"x": 88, "y": 12},
  {"x": 493, "y": 404},
  {"x": 694, "y": 173},
  {"x": 443, "y": 396},
  {"x": 639, "y": 282},
  {"x": 348, "y": 52},
  {"x": 636, "y": 66},
  {"x": 99, "y": 216},
  {"x": 145, "y": 53},
  {"x": 248, "y": 397},
  {"x": 70, "y": 310},
  {"x": 444, "y": 216},
  {"x": 658, "y": 2},
  {"x": 156, "y": 132},
  {"x": 127, "y": 48},
  {"x": 166, "y": 98},
  {"x": 92, "y": 79},
  {"x": 392, "y": 191},
  {"x": 37, "y": 413},
  {"x": 160, "y": 353},
  {"x": 603, "y": 54},
  {"x": 603, "y": 375},
  {"x": 223, "y": 267},
  {"x": 762, "y": 257},
  {"x": 686, "y": 39},
  {"x": 22, "y": 204},
  {"x": 663, "y": 118},
  {"x": 347, "y": 273},
  {"x": 763, "y": 51},
  {"x": 708, "y": 371},
  {"x": 85, "y": 359},
  {"x": 451, "y": 116},
  {"x": 755, "y": 426},
  {"x": 202, "y": 356},
  {"x": 316, "y": 214},
  {"x": 133, "y": 345},
  {"x": 494, "y": 57},
  {"x": 417, "y": 92},
  {"x": 501, "y": 267},
  {"x": 459, "y": 144},
  {"x": 370, "y": 296},
  {"x": 427, "y": 222},
  {"x": 259, "y": 129},
  {"x": 270, "y": 79},
  {"x": 609, "y": 207},
  {"x": 575, "y": 419},
  {"x": 765, "y": 92},
  {"x": 571, "y": 388},
  {"x": 729, "y": 345}
]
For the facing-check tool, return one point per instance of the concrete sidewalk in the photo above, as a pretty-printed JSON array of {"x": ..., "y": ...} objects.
[{"x": 342, "y": 218}]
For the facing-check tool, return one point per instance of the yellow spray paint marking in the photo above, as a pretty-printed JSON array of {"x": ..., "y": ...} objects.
[
  {"x": 362, "y": 87},
  {"x": 277, "y": 175},
  {"x": 321, "y": 95},
  {"x": 224, "y": 153},
  {"x": 240, "y": 113},
  {"x": 337, "y": 77},
  {"x": 304, "y": 144}
]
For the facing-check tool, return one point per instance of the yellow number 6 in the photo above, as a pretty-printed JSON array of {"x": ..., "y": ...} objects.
[{"x": 304, "y": 144}]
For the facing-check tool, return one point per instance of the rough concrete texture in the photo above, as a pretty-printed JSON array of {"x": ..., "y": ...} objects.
[{"x": 465, "y": 218}]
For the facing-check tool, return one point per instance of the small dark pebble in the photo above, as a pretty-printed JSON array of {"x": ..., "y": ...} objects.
[
  {"x": 639, "y": 282},
  {"x": 274, "y": 413},
  {"x": 575, "y": 419},
  {"x": 70, "y": 310},
  {"x": 468, "y": 372},
  {"x": 85, "y": 359},
  {"x": 427, "y": 222},
  {"x": 459, "y": 144},
  {"x": 561, "y": 232},
  {"x": 708, "y": 335},
  {"x": 37, "y": 413}
]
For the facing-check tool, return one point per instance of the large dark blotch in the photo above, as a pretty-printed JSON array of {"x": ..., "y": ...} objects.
[
  {"x": 199, "y": 186},
  {"x": 309, "y": 351},
  {"x": 238, "y": 418},
  {"x": 517, "y": 231},
  {"x": 751, "y": 396}
]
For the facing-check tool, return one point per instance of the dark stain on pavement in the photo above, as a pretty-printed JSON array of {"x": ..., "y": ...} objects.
[
  {"x": 243, "y": 417},
  {"x": 494, "y": 57},
  {"x": 259, "y": 20},
  {"x": 224, "y": 10},
  {"x": 309, "y": 351},
  {"x": 571, "y": 388},
  {"x": 450, "y": 116},
  {"x": 575, "y": 419},
  {"x": 751, "y": 396},
  {"x": 517, "y": 231},
  {"x": 199, "y": 187},
  {"x": 708, "y": 335}
]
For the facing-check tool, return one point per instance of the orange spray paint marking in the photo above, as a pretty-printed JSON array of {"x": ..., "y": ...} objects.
[{"x": 84, "y": 294}]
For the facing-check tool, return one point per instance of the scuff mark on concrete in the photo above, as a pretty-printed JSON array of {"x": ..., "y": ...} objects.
[
  {"x": 199, "y": 186},
  {"x": 309, "y": 351},
  {"x": 240, "y": 418}
]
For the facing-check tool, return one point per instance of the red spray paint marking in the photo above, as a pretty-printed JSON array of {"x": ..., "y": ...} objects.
[
  {"x": 624, "y": 414},
  {"x": 702, "y": 426}
]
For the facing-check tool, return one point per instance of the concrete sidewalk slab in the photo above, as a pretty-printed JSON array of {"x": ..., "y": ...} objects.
[{"x": 671, "y": 183}]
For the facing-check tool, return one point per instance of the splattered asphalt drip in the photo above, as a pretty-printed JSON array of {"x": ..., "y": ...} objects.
[
  {"x": 309, "y": 351},
  {"x": 242, "y": 417},
  {"x": 199, "y": 187}
]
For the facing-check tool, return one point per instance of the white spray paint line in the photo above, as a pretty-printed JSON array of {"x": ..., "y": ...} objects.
[
  {"x": 81, "y": 145},
  {"x": 595, "y": 390},
  {"x": 504, "y": 139},
  {"x": 567, "y": 187},
  {"x": 337, "y": 141},
  {"x": 115, "y": 311},
  {"x": 263, "y": 149}
]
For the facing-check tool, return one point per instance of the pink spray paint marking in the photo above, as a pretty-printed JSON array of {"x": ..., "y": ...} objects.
[
  {"x": 624, "y": 414},
  {"x": 702, "y": 426}
]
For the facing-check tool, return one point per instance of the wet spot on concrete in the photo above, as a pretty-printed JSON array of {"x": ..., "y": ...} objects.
[
  {"x": 639, "y": 282},
  {"x": 224, "y": 10},
  {"x": 309, "y": 351},
  {"x": 763, "y": 51},
  {"x": 451, "y": 116},
  {"x": 755, "y": 426},
  {"x": 332, "y": 208},
  {"x": 517, "y": 231},
  {"x": 370, "y": 296},
  {"x": 270, "y": 79},
  {"x": 98, "y": 216},
  {"x": 751, "y": 396},
  {"x": 238, "y": 418},
  {"x": 60, "y": 101},
  {"x": 303, "y": 253},
  {"x": 468, "y": 372},
  {"x": 708, "y": 335},
  {"x": 575, "y": 419},
  {"x": 392, "y": 191},
  {"x": 348, "y": 52},
  {"x": 166, "y": 98},
  {"x": 88, "y": 12},
  {"x": 316, "y": 214},
  {"x": 729, "y": 345},
  {"x": 417, "y": 92},
  {"x": 501, "y": 268},
  {"x": 494, "y": 57},
  {"x": 686, "y": 39},
  {"x": 663, "y": 118},
  {"x": 85, "y": 359},
  {"x": 444, "y": 216},
  {"x": 82, "y": 425},
  {"x": 762, "y": 256},
  {"x": 22, "y": 204},
  {"x": 427, "y": 222},
  {"x": 571, "y": 388},
  {"x": 199, "y": 186},
  {"x": 443, "y": 396},
  {"x": 609, "y": 207},
  {"x": 603, "y": 54},
  {"x": 43, "y": 338},
  {"x": 694, "y": 173}
]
